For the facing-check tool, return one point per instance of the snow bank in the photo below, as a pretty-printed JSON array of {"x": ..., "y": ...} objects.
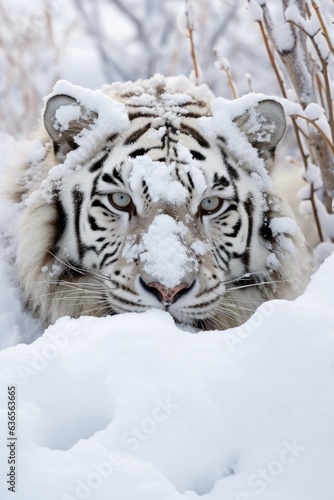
[{"x": 132, "y": 407}]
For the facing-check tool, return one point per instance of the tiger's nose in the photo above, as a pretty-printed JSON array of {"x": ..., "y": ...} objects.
[{"x": 167, "y": 295}]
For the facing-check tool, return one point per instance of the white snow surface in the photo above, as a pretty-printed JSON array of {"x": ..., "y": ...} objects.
[
  {"x": 65, "y": 114},
  {"x": 283, "y": 225},
  {"x": 283, "y": 37},
  {"x": 255, "y": 11},
  {"x": 135, "y": 407}
]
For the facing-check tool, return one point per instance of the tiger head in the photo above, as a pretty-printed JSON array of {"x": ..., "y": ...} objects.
[{"x": 153, "y": 194}]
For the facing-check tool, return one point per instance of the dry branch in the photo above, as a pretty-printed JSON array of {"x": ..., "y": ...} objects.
[
  {"x": 310, "y": 86},
  {"x": 190, "y": 30}
]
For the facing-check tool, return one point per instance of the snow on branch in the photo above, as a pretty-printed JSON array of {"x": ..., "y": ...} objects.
[
  {"x": 186, "y": 24},
  {"x": 223, "y": 65},
  {"x": 300, "y": 46}
]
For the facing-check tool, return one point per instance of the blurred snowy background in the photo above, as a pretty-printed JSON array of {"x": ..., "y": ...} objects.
[
  {"x": 91, "y": 42},
  {"x": 131, "y": 407}
]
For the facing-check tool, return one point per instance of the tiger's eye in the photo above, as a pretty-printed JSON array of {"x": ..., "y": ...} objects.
[
  {"x": 210, "y": 204},
  {"x": 122, "y": 201}
]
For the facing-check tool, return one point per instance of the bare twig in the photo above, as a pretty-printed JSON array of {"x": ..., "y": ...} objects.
[
  {"x": 319, "y": 129},
  {"x": 306, "y": 79},
  {"x": 272, "y": 59},
  {"x": 323, "y": 26},
  {"x": 315, "y": 213},
  {"x": 190, "y": 29},
  {"x": 224, "y": 66},
  {"x": 320, "y": 87}
]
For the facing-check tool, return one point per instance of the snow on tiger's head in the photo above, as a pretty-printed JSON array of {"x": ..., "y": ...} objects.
[{"x": 156, "y": 194}]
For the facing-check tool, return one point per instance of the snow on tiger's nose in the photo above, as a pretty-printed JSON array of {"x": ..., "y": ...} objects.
[{"x": 163, "y": 252}]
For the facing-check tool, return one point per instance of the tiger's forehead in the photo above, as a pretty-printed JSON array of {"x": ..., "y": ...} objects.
[{"x": 162, "y": 99}]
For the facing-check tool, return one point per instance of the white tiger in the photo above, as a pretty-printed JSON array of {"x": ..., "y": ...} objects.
[{"x": 154, "y": 194}]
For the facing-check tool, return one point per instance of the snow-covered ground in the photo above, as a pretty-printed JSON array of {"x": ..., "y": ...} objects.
[{"x": 133, "y": 408}]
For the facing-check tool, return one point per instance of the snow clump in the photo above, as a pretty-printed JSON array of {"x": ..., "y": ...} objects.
[{"x": 163, "y": 251}]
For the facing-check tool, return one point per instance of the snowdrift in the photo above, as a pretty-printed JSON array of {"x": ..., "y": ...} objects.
[{"x": 133, "y": 407}]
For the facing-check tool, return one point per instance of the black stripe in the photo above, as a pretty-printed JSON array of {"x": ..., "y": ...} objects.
[
  {"x": 186, "y": 129},
  {"x": 265, "y": 230},
  {"x": 232, "y": 171},
  {"x": 104, "y": 246},
  {"x": 136, "y": 135},
  {"x": 217, "y": 255},
  {"x": 61, "y": 221},
  {"x": 247, "y": 281},
  {"x": 106, "y": 178},
  {"x": 192, "y": 114},
  {"x": 93, "y": 225},
  {"x": 220, "y": 181},
  {"x": 117, "y": 175},
  {"x": 78, "y": 197},
  {"x": 249, "y": 207},
  {"x": 235, "y": 230},
  {"x": 228, "y": 254},
  {"x": 190, "y": 180},
  {"x": 133, "y": 116},
  {"x": 144, "y": 186},
  {"x": 210, "y": 290},
  {"x": 202, "y": 305},
  {"x": 139, "y": 106},
  {"x": 98, "y": 164},
  {"x": 93, "y": 191},
  {"x": 162, "y": 159},
  {"x": 112, "y": 138},
  {"x": 112, "y": 261},
  {"x": 197, "y": 155},
  {"x": 225, "y": 214},
  {"x": 111, "y": 254},
  {"x": 59, "y": 227},
  {"x": 119, "y": 301},
  {"x": 137, "y": 152},
  {"x": 98, "y": 203}
]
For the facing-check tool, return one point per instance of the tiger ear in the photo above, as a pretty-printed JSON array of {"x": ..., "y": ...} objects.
[
  {"x": 64, "y": 119},
  {"x": 264, "y": 126}
]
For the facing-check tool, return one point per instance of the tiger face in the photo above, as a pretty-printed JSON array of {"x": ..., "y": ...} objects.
[{"x": 164, "y": 214}]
